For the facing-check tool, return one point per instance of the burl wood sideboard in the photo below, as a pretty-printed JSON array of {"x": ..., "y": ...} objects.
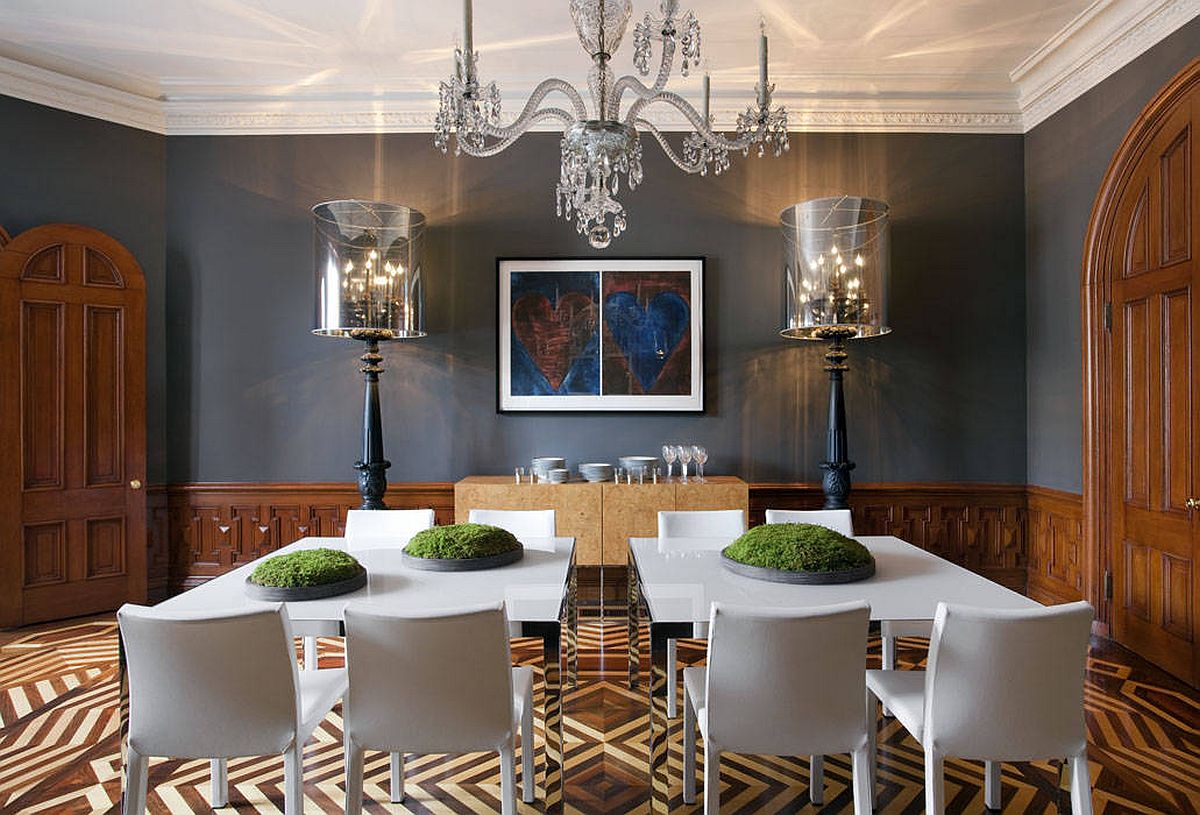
[{"x": 600, "y": 516}]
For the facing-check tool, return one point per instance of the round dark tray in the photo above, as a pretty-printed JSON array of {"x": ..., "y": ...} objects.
[
  {"x": 798, "y": 578},
  {"x": 282, "y": 594},
  {"x": 463, "y": 564}
]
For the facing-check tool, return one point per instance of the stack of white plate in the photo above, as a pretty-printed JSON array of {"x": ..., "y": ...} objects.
[
  {"x": 636, "y": 464},
  {"x": 596, "y": 471},
  {"x": 558, "y": 475},
  {"x": 542, "y": 464}
]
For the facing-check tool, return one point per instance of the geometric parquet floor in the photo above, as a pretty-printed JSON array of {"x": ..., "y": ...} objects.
[{"x": 59, "y": 749}]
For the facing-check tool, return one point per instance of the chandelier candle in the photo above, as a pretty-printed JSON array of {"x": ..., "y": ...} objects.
[{"x": 601, "y": 143}]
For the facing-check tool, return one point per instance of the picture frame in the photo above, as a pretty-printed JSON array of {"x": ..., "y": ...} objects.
[{"x": 584, "y": 335}]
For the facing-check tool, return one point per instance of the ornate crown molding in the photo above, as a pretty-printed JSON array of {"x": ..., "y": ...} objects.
[
  {"x": 1101, "y": 40},
  {"x": 1105, "y": 37},
  {"x": 57, "y": 90}
]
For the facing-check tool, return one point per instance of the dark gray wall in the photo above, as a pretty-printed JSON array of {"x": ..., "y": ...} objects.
[
  {"x": 62, "y": 167},
  {"x": 252, "y": 395},
  {"x": 1065, "y": 160}
]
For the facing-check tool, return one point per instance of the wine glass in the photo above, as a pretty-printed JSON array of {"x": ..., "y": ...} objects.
[
  {"x": 684, "y": 453},
  {"x": 700, "y": 455},
  {"x": 668, "y": 451}
]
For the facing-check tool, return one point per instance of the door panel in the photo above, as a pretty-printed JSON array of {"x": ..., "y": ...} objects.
[
  {"x": 72, "y": 511},
  {"x": 1152, "y": 437}
]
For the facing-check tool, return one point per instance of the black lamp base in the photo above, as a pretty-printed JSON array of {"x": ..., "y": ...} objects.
[
  {"x": 837, "y": 466},
  {"x": 372, "y": 468}
]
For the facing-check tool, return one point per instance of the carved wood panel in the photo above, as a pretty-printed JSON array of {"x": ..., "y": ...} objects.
[{"x": 1056, "y": 555}]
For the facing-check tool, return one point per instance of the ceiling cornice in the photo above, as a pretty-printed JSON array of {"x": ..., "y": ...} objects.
[
  {"x": 57, "y": 90},
  {"x": 1106, "y": 36}
]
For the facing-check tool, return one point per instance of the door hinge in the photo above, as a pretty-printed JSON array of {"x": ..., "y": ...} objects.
[
  {"x": 1108, "y": 316},
  {"x": 1108, "y": 585}
]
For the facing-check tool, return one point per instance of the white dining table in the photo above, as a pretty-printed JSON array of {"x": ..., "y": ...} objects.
[
  {"x": 539, "y": 593},
  {"x": 675, "y": 582}
]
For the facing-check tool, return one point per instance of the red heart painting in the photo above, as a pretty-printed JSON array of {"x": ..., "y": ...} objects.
[{"x": 554, "y": 336}]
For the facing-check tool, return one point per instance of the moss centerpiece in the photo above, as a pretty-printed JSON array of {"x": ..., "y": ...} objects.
[
  {"x": 462, "y": 548},
  {"x": 309, "y": 574},
  {"x": 798, "y": 553}
]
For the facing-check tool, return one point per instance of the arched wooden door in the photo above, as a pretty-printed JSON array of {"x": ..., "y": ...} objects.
[
  {"x": 1142, "y": 430},
  {"x": 72, "y": 425}
]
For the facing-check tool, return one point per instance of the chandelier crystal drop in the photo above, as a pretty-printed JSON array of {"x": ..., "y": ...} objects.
[{"x": 601, "y": 145}]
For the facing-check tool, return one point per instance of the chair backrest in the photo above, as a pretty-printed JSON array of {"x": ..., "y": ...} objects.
[
  {"x": 524, "y": 523},
  {"x": 838, "y": 520},
  {"x": 382, "y": 528},
  {"x": 1007, "y": 685},
  {"x": 706, "y": 523},
  {"x": 212, "y": 686},
  {"x": 788, "y": 683},
  {"x": 430, "y": 683}
]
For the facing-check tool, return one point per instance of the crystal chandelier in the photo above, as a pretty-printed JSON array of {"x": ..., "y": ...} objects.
[{"x": 602, "y": 145}]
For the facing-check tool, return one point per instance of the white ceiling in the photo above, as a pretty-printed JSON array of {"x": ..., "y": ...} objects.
[{"x": 212, "y": 66}]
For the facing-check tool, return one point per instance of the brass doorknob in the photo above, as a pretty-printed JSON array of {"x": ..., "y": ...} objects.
[
  {"x": 135, "y": 484},
  {"x": 1192, "y": 503}
]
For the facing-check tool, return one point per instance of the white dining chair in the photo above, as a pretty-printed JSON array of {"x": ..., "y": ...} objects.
[
  {"x": 536, "y": 525},
  {"x": 373, "y": 529},
  {"x": 838, "y": 520},
  {"x": 219, "y": 686},
  {"x": 694, "y": 530},
  {"x": 779, "y": 683},
  {"x": 434, "y": 683},
  {"x": 384, "y": 528},
  {"x": 1001, "y": 685}
]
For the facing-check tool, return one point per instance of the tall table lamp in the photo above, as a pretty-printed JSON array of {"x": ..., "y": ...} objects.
[
  {"x": 369, "y": 288},
  {"x": 835, "y": 280}
]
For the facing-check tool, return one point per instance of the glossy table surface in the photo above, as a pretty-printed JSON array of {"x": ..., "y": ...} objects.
[
  {"x": 532, "y": 588},
  {"x": 681, "y": 578}
]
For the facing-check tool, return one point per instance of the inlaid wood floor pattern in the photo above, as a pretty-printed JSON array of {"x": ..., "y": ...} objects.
[{"x": 59, "y": 746}]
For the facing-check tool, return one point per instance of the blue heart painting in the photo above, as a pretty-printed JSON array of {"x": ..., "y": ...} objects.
[{"x": 647, "y": 336}]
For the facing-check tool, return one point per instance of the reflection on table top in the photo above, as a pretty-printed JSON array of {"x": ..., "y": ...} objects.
[
  {"x": 681, "y": 578},
  {"x": 532, "y": 588}
]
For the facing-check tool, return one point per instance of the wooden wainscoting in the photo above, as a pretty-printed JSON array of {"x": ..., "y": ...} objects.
[
  {"x": 980, "y": 526},
  {"x": 1056, "y": 553},
  {"x": 1004, "y": 532},
  {"x": 211, "y": 528}
]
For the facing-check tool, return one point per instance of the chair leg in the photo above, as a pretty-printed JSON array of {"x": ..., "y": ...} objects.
[
  {"x": 528, "y": 773},
  {"x": 397, "y": 778},
  {"x": 689, "y": 749},
  {"x": 354, "y": 779},
  {"x": 1081, "y": 784},
  {"x": 816, "y": 779},
  {"x": 712, "y": 779},
  {"x": 137, "y": 771},
  {"x": 935, "y": 783},
  {"x": 672, "y": 680},
  {"x": 293, "y": 779},
  {"x": 508, "y": 780},
  {"x": 991, "y": 785},
  {"x": 864, "y": 794},
  {"x": 310, "y": 653},
  {"x": 220, "y": 783}
]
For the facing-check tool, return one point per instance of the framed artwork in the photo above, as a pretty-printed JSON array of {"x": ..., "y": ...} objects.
[{"x": 601, "y": 335}]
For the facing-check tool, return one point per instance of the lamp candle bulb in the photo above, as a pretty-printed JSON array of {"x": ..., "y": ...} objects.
[{"x": 707, "y": 89}]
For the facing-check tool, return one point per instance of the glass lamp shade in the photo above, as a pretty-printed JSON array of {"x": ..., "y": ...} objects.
[
  {"x": 368, "y": 270},
  {"x": 837, "y": 264}
]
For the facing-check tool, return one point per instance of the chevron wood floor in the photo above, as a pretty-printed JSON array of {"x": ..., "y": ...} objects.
[{"x": 59, "y": 748}]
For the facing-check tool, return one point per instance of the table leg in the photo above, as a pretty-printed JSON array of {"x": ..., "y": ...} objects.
[
  {"x": 552, "y": 717},
  {"x": 660, "y": 782},
  {"x": 122, "y": 714},
  {"x": 572, "y": 628},
  {"x": 634, "y": 629}
]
